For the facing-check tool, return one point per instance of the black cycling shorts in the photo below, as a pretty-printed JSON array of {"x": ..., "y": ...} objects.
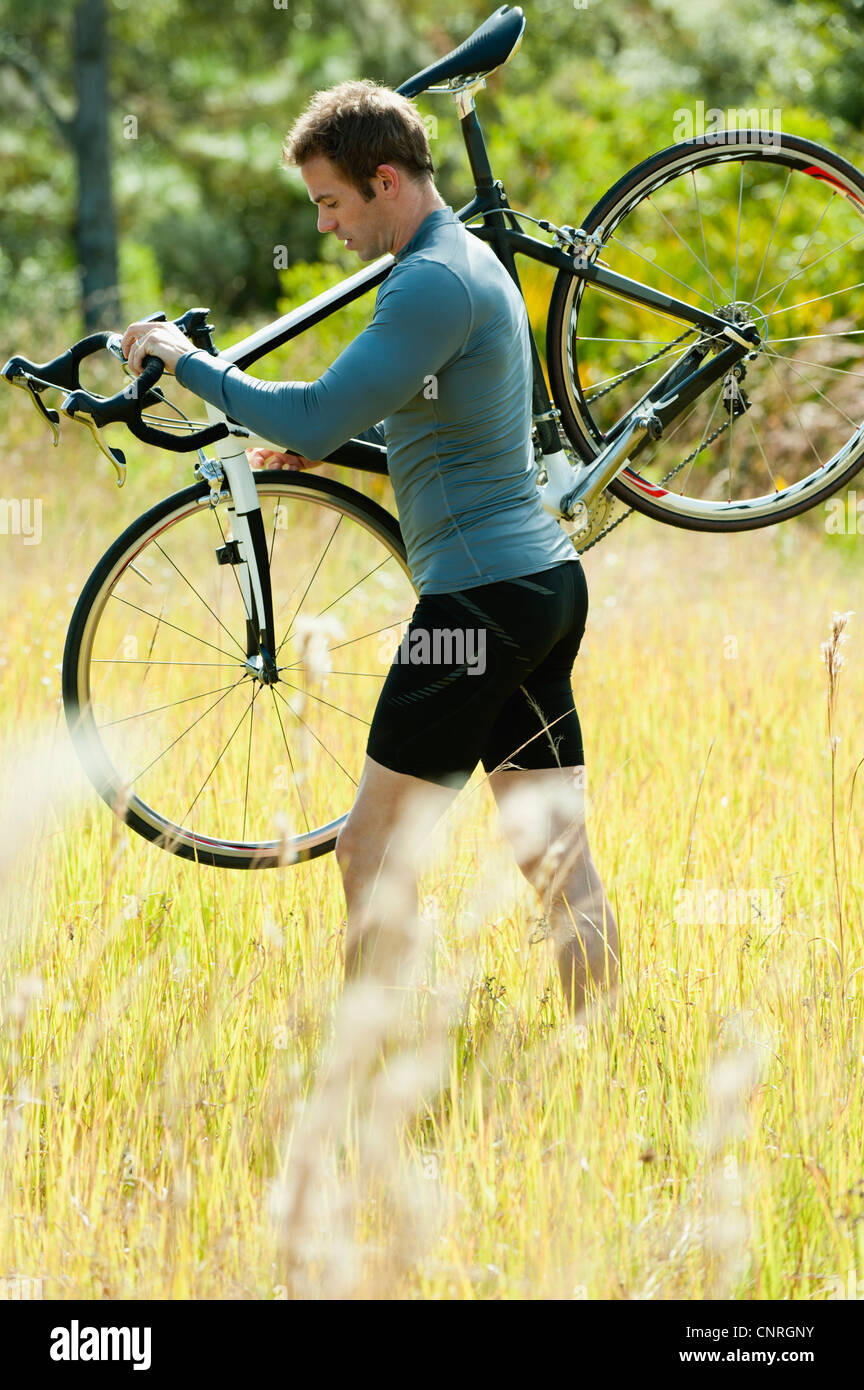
[{"x": 483, "y": 675}]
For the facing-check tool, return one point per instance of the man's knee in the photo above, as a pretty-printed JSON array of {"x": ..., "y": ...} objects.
[
  {"x": 566, "y": 854},
  {"x": 351, "y": 853},
  {"x": 370, "y": 863},
  {"x": 543, "y": 817},
  {"x": 342, "y": 850}
]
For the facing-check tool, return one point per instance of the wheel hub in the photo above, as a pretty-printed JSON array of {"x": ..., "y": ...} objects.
[
  {"x": 263, "y": 667},
  {"x": 743, "y": 314}
]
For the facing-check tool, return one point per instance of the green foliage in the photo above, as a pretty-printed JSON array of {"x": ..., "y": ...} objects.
[{"x": 201, "y": 104}]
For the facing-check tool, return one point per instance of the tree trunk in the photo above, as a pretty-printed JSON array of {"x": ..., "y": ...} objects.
[{"x": 95, "y": 231}]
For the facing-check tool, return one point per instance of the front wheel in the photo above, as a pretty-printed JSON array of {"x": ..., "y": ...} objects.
[
  {"x": 759, "y": 229},
  {"x": 175, "y": 727}
]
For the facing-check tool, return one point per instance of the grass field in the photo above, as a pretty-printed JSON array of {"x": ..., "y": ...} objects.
[{"x": 178, "y": 1116}]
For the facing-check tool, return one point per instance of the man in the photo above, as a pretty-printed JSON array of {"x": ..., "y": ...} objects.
[{"x": 445, "y": 366}]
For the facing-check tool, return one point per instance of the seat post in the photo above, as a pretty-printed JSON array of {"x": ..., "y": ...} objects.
[
  {"x": 472, "y": 134},
  {"x": 491, "y": 202}
]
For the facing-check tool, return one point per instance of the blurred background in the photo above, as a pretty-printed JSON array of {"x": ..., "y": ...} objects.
[{"x": 141, "y": 149}]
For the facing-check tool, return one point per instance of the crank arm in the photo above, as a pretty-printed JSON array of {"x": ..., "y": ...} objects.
[{"x": 608, "y": 463}]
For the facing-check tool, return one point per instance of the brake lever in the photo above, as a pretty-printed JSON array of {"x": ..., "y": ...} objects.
[
  {"x": 113, "y": 345},
  {"x": 48, "y": 413},
  {"x": 115, "y": 457},
  {"x": 25, "y": 382}
]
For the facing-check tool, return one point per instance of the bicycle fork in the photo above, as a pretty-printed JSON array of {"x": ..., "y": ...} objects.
[{"x": 247, "y": 552}]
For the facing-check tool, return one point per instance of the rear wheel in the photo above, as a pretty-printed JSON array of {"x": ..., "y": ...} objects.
[
  {"x": 759, "y": 229},
  {"x": 176, "y": 732}
]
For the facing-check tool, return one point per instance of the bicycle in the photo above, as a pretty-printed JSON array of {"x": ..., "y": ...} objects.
[{"x": 230, "y": 582}]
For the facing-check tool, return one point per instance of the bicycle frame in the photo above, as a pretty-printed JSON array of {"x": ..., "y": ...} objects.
[{"x": 721, "y": 346}]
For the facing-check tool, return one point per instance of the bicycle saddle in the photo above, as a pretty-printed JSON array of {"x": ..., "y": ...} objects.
[{"x": 487, "y": 48}]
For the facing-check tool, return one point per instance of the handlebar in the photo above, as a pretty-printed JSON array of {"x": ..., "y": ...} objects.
[{"x": 126, "y": 406}]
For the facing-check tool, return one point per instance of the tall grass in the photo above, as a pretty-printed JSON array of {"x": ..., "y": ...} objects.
[{"x": 192, "y": 1109}]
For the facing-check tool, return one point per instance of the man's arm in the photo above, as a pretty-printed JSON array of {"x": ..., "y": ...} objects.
[{"x": 421, "y": 320}]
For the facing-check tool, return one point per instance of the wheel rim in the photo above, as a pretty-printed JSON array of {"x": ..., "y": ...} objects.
[
  {"x": 769, "y": 237},
  {"x": 176, "y": 731}
]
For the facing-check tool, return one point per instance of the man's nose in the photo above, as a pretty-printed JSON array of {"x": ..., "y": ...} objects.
[{"x": 325, "y": 224}]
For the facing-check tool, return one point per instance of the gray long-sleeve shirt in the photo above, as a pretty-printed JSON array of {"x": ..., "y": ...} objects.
[{"x": 445, "y": 366}]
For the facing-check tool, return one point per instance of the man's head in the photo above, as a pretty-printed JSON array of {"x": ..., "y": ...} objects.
[{"x": 363, "y": 153}]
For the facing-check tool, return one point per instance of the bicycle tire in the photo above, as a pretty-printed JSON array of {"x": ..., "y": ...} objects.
[
  {"x": 582, "y": 430},
  {"x": 369, "y": 526}
]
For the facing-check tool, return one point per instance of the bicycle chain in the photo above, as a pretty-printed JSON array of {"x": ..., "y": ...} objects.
[
  {"x": 639, "y": 367},
  {"x": 672, "y": 472},
  {"x": 663, "y": 481}
]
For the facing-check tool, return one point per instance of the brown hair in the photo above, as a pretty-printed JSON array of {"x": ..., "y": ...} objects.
[{"x": 357, "y": 126}]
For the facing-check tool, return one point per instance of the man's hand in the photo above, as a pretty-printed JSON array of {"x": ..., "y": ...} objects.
[
  {"x": 270, "y": 458},
  {"x": 163, "y": 340}
]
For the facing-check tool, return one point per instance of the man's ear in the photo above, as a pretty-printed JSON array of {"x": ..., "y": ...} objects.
[{"x": 389, "y": 179}]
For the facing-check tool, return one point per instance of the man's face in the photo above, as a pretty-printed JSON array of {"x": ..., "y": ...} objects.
[{"x": 364, "y": 227}]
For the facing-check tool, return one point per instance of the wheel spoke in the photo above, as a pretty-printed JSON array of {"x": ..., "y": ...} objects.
[
  {"x": 817, "y": 299},
  {"x": 822, "y": 366},
  {"x": 731, "y": 408},
  {"x": 145, "y": 661},
  {"x": 792, "y": 365},
  {"x": 705, "y": 433},
  {"x": 163, "y": 622},
  {"x": 738, "y": 233},
  {"x": 310, "y": 730},
  {"x": 782, "y": 386},
  {"x": 754, "y": 295},
  {"x": 802, "y": 252},
  {"x": 249, "y": 758},
  {"x": 361, "y": 638},
  {"x": 689, "y": 249},
  {"x": 806, "y": 337},
  {"x": 321, "y": 701},
  {"x": 172, "y": 704},
  {"x": 762, "y": 452},
  {"x": 311, "y": 582},
  {"x": 225, "y": 748},
  {"x": 631, "y": 250},
  {"x": 366, "y": 675},
  {"x": 188, "y": 581},
  {"x": 621, "y": 376},
  {"x": 294, "y": 782},
  {"x": 711, "y": 281},
  {"x": 187, "y": 730},
  {"x": 355, "y": 585},
  {"x": 811, "y": 266}
]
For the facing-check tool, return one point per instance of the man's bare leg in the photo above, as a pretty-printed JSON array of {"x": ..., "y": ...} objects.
[
  {"x": 543, "y": 816},
  {"x": 380, "y": 853}
]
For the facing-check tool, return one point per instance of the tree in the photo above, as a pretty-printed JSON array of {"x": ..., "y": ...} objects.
[{"x": 86, "y": 133}]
